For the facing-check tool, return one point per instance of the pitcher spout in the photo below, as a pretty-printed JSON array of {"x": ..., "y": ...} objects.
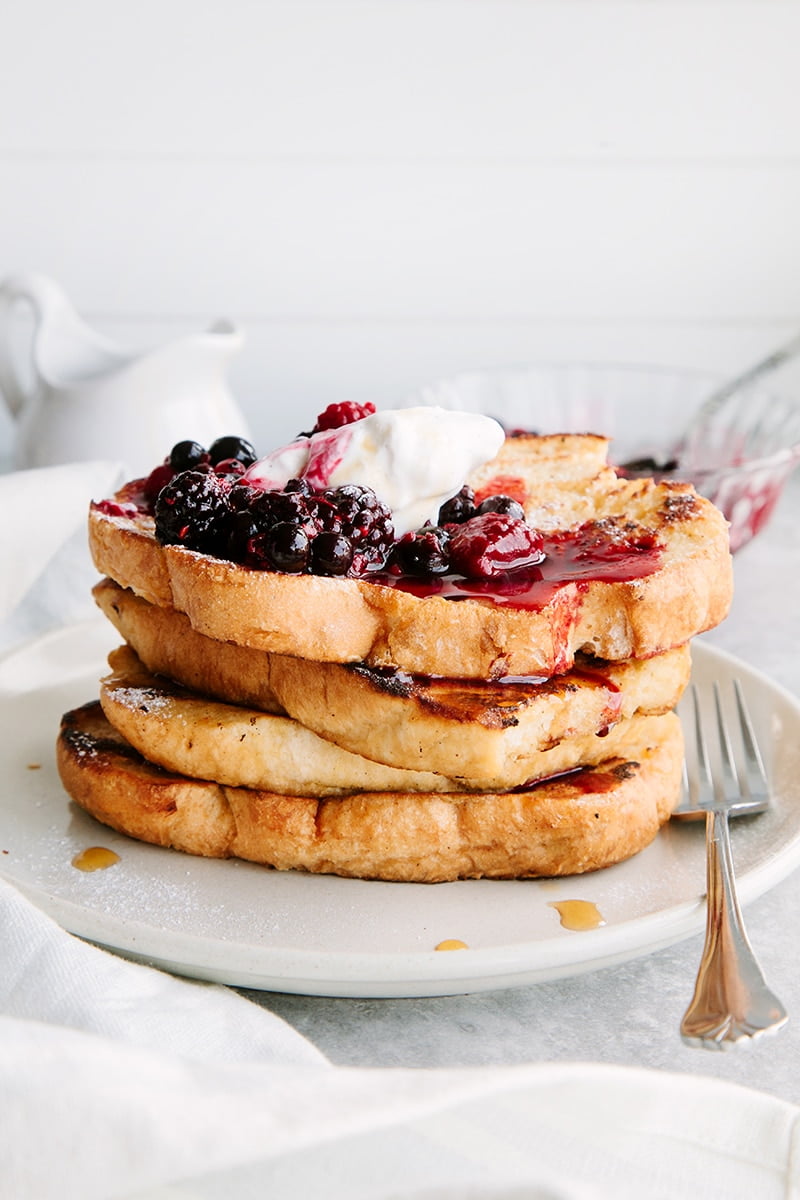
[{"x": 64, "y": 350}]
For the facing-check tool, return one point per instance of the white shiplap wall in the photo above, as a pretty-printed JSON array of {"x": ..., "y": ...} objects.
[{"x": 385, "y": 191}]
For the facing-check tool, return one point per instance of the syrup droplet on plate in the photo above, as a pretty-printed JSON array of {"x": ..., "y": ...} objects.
[
  {"x": 452, "y": 944},
  {"x": 95, "y": 858},
  {"x": 577, "y": 914}
]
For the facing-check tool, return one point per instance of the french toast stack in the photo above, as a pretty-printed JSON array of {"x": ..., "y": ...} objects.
[{"x": 385, "y": 727}]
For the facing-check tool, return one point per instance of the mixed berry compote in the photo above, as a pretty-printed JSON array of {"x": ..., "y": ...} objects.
[{"x": 209, "y": 500}]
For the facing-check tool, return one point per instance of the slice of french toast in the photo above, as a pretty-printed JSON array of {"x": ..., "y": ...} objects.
[
  {"x": 207, "y": 739},
  {"x": 493, "y": 735},
  {"x": 581, "y": 822},
  {"x": 631, "y": 568}
]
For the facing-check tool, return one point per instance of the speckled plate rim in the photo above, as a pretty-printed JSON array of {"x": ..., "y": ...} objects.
[{"x": 61, "y": 669}]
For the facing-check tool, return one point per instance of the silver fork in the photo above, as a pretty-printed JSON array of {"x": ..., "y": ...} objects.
[{"x": 731, "y": 1001}]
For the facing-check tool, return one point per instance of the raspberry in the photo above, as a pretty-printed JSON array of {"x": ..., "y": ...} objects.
[
  {"x": 493, "y": 544},
  {"x": 234, "y": 468},
  {"x": 336, "y": 415},
  {"x": 158, "y": 478},
  {"x": 112, "y": 509}
]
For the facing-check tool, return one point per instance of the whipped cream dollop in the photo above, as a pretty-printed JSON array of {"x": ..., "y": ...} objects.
[{"x": 413, "y": 459}]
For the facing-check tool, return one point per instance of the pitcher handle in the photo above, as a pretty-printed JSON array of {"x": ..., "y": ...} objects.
[{"x": 46, "y": 298}]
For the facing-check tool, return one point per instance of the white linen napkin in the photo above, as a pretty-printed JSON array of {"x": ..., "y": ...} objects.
[
  {"x": 117, "y": 1080},
  {"x": 43, "y": 544}
]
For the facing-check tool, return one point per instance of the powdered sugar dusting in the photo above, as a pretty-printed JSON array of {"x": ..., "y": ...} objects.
[{"x": 139, "y": 699}]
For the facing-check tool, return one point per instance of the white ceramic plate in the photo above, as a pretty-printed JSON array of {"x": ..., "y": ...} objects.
[{"x": 241, "y": 924}]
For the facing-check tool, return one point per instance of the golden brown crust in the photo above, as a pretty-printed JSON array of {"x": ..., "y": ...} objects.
[
  {"x": 563, "y": 482},
  {"x": 132, "y": 556},
  {"x": 575, "y": 824},
  {"x": 108, "y": 778}
]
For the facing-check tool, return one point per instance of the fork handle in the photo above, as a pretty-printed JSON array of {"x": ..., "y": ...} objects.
[{"x": 731, "y": 999}]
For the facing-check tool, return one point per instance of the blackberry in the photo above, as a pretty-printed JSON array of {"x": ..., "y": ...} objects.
[
  {"x": 424, "y": 552},
  {"x": 325, "y": 513},
  {"x": 185, "y": 455},
  {"x": 241, "y": 497},
  {"x": 458, "y": 508},
  {"x": 290, "y": 506},
  {"x": 299, "y": 485},
  {"x": 506, "y": 505},
  {"x": 232, "y": 447},
  {"x": 358, "y": 514},
  {"x": 341, "y": 531},
  {"x": 192, "y": 510}
]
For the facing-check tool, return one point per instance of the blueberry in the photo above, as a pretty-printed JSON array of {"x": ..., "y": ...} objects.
[
  {"x": 242, "y": 529},
  {"x": 331, "y": 554},
  {"x": 501, "y": 504},
  {"x": 232, "y": 447},
  {"x": 288, "y": 547},
  {"x": 185, "y": 455},
  {"x": 241, "y": 497}
]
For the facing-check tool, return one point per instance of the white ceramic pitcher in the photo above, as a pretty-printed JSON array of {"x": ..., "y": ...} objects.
[{"x": 76, "y": 396}]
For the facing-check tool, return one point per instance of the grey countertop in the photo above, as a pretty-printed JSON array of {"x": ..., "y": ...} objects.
[{"x": 627, "y": 1014}]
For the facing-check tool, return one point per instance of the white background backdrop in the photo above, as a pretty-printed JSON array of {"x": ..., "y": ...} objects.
[{"x": 385, "y": 191}]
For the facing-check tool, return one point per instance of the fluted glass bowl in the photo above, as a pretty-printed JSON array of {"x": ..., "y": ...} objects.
[{"x": 740, "y": 458}]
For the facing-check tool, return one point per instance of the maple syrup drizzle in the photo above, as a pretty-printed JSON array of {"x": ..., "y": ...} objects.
[
  {"x": 452, "y": 944},
  {"x": 95, "y": 858},
  {"x": 589, "y": 781},
  {"x": 578, "y": 915}
]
